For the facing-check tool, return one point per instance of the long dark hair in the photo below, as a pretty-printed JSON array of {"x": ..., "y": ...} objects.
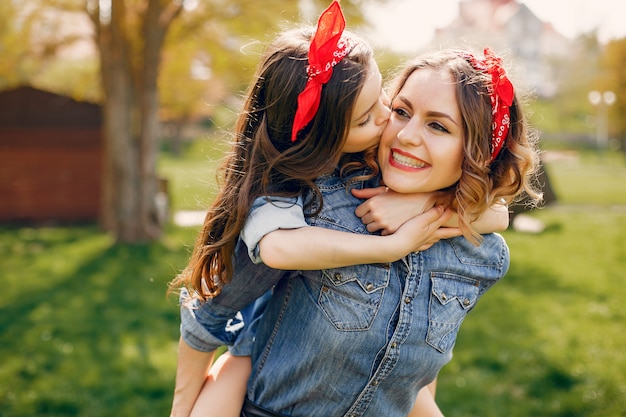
[{"x": 263, "y": 160}]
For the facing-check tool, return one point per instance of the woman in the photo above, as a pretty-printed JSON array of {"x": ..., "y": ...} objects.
[{"x": 364, "y": 340}]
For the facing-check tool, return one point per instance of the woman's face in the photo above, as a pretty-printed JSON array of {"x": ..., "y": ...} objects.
[
  {"x": 369, "y": 116},
  {"x": 421, "y": 149}
]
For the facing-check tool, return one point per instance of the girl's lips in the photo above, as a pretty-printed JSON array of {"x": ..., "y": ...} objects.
[{"x": 404, "y": 160}]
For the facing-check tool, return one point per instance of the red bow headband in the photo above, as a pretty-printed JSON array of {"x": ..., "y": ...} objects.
[
  {"x": 501, "y": 94},
  {"x": 326, "y": 50}
]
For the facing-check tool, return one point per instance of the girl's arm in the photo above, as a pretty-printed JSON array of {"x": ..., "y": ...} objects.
[
  {"x": 191, "y": 374},
  {"x": 386, "y": 210},
  {"x": 495, "y": 219},
  {"x": 310, "y": 248}
]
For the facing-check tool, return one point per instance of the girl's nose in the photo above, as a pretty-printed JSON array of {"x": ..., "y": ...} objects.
[
  {"x": 383, "y": 111},
  {"x": 385, "y": 99},
  {"x": 383, "y": 115}
]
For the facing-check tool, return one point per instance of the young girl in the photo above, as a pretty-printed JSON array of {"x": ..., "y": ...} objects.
[
  {"x": 266, "y": 160},
  {"x": 271, "y": 182}
]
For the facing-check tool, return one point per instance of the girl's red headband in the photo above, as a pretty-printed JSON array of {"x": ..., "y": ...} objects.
[
  {"x": 326, "y": 50},
  {"x": 501, "y": 93}
]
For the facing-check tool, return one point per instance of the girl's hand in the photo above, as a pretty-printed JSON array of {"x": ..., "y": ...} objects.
[
  {"x": 423, "y": 231},
  {"x": 386, "y": 210}
]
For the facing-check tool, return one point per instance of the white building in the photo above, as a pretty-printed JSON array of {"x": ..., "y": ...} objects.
[{"x": 527, "y": 44}]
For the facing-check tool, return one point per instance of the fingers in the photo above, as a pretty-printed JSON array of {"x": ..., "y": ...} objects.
[
  {"x": 441, "y": 233},
  {"x": 436, "y": 215},
  {"x": 426, "y": 246},
  {"x": 375, "y": 227},
  {"x": 366, "y": 193},
  {"x": 447, "y": 233}
]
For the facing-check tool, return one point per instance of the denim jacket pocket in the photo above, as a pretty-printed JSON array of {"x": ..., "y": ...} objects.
[
  {"x": 351, "y": 296},
  {"x": 451, "y": 298}
]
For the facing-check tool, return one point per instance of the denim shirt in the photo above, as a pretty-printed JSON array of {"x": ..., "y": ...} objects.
[{"x": 359, "y": 340}]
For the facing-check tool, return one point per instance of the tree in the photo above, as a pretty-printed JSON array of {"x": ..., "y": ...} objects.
[
  {"x": 131, "y": 36},
  {"x": 24, "y": 55},
  {"x": 614, "y": 79}
]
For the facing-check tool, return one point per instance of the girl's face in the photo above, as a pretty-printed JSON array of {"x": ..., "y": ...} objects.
[
  {"x": 421, "y": 149},
  {"x": 370, "y": 114}
]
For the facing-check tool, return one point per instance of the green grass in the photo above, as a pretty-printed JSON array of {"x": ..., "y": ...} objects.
[
  {"x": 86, "y": 328},
  {"x": 549, "y": 340},
  {"x": 191, "y": 178}
]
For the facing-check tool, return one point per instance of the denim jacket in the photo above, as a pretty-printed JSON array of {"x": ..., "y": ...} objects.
[{"x": 353, "y": 341}]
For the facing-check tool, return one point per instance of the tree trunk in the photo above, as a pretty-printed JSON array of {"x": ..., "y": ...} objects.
[
  {"x": 130, "y": 116},
  {"x": 120, "y": 208},
  {"x": 153, "y": 32}
]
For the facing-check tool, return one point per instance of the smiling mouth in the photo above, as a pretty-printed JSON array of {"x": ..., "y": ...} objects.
[{"x": 406, "y": 161}]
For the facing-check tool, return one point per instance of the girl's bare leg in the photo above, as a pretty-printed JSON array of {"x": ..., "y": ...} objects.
[
  {"x": 425, "y": 405},
  {"x": 224, "y": 391}
]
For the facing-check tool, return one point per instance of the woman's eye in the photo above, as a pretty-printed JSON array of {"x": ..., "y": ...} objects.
[
  {"x": 400, "y": 111},
  {"x": 438, "y": 126}
]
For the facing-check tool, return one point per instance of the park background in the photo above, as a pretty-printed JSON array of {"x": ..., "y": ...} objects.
[{"x": 86, "y": 326}]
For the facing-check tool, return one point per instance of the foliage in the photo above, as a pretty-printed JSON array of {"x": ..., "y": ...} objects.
[
  {"x": 19, "y": 61},
  {"x": 568, "y": 111},
  {"x": 35, "y": 38},
  {"x": 615, "y": 80},
  {"x": 569, "y": 118},
  {"x": 225, "y": 44},
  {"x": 83, "y": 85}
]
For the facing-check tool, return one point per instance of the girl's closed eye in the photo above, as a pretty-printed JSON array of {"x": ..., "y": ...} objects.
[{"x": 366, "y": 121}]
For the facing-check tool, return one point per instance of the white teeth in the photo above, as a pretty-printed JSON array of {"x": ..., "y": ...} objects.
[{"x": 406, "y": 161}]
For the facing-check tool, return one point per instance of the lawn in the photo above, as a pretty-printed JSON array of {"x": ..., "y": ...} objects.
[{"x": 86, "y": 327}]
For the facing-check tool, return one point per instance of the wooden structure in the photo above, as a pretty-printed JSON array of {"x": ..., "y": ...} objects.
[{"x": 50, "y": 158}]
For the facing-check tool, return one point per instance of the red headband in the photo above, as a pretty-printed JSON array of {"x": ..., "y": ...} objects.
[
  {"x": 326, "y": 50},
  {"x": 501, "y": 94}
]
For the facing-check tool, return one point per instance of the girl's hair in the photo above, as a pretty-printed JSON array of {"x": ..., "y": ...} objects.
[
  {"x": 264, "y": 161},
  {"x": 483, "y": 182}
]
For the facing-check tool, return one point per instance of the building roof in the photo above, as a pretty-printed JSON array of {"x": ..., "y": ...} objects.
[{"x": 30, "y": 107}]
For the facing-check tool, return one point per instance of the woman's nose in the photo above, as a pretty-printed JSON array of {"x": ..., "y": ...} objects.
[{"x": 410, "y": 134}]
